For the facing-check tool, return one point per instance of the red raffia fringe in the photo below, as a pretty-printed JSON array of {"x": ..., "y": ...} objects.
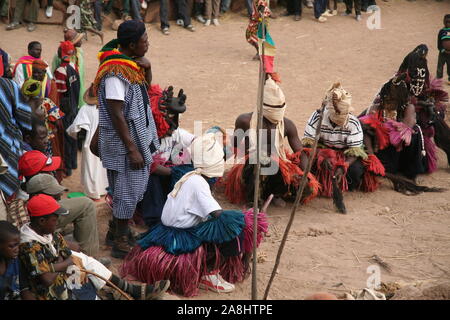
[
  {"x": 184, "y": 271},
  {"x": 262, "y": 229},
  {"x": 381, "y": 131},
  {"x": 325, "y": 175},
  {"x": 155, "y": 94},
  {"x": 290, "y": 170},
  {"x": 234, "y": 185},
  {"x": 373, "y": 167},
  {"x": 234, "y": 269}
]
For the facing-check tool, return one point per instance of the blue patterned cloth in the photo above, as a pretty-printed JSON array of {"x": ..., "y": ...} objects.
[
  {"x": 9, "y": 282},
  {"x": 14, "y": 116},
  {"x": 128, "y": 186}
]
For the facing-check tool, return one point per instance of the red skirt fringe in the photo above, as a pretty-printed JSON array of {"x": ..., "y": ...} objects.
[
  {"x": 185, "y": 270},
  {"x": 290, "y": 171}
]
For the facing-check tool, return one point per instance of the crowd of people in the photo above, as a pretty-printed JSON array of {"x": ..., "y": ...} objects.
[
  {"x": 136, "y": 155},
  {"x": 206, "y": 12}
]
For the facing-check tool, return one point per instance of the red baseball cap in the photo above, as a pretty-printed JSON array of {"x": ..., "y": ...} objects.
[
  {"x": 43, "y": 205},
  {"x": 32, "y": 162}
]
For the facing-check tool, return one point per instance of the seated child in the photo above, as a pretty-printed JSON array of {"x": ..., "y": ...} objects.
[{"x": 47, "y": 260}]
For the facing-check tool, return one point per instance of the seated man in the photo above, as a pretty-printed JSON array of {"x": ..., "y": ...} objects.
[
  {"x": 47, "y": 134},
  {"x": 47, "y": 260},
  {"x": 82, "y": 212},
  {"x": 201, "y": 244},
  {"x": 342, "y": 163},
  {"x": 283, "y": 183}
]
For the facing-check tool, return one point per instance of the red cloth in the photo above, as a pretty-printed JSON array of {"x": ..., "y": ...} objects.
[
  {"x": 1, "y": 66},
  {"x": 67, "y": 50},
  {"x": 61, "y": 78},
  {"x": 155, "y": 94}
]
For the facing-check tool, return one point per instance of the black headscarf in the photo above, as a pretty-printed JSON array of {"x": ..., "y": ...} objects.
[
  {"x": 416, "y": 66},
  {"x": 130, "y": 32}
]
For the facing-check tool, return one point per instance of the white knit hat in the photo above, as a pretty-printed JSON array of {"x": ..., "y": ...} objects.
[{"x": 273, "y": 95}]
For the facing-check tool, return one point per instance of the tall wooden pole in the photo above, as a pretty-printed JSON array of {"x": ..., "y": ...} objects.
[
  {"x": 303, "y": 182},
  {"x": 257, "y": 169}
]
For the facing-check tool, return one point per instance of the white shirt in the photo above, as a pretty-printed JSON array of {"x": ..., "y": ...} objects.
[
  {"x": 350, "y": 136},
  {"x": 93, "y": 175},
  {"x": 170, "y": 147},
  {"x": 192, "y": 205},
  {"x": 116, "y": 89}
]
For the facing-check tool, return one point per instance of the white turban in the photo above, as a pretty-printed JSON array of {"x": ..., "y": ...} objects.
[
  {"x": 207, "y": 156},
  {"x": 274, "y": 96}
]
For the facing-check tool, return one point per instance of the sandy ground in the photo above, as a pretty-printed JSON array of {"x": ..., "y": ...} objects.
[{"x": 324, "y": 249}]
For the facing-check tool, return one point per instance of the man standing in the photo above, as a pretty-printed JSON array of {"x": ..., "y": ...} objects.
[
  {"x": 77, "y": 59},
  {"x": 127, "y": 132},
  {"x": 320, "y": 6},
  {"x": 68, "y": 84},
  {"x": 349, "y": 8},
  {"x": 24, "y": 66},
  {"x": 294, "y": 7},
  {"x": 18, "y": 12}
]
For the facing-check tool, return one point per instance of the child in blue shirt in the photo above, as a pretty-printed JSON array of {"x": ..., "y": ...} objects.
[{"x": 443, "y": 44}]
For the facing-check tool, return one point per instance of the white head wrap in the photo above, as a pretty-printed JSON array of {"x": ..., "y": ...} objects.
[
  {"x": 207, "y": 156},
  {"x": 274, "y": 96}
]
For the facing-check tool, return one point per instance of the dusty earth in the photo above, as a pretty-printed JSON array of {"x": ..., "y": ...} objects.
[{"x": 325, "y": 251}]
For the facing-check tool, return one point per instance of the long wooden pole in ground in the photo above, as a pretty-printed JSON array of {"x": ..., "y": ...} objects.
[
  {"x": 303, "y": 182},
  {"x": 257, "y": 169}
]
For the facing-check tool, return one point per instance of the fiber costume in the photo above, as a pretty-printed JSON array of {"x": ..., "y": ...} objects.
[
  {"x": 409, "y": 151},
  {"x": 191, "y": 244},
  {"x": 341, "y": 136},
  {"x": 285, "y": 180}
]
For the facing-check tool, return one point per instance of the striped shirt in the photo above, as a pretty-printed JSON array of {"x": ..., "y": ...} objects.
[
  {"x": 14, "y": 116},
  {"x": 333, "y": 136}
]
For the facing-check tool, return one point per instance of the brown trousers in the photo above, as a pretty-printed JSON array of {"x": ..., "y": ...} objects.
[{"x": 212, "y": 9}]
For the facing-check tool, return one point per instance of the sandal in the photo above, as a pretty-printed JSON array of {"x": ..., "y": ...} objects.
[
  {"x": 158, "y": 290},
  {"x": 13, "y": 25},
  {"x": 190, "y": 28}
]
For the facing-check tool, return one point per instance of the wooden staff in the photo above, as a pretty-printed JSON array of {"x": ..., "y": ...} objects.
[
  {"x": 108, "y": 282},
  {"x": 257, "y": 169},
  {"x": 303, "y": 182}
]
